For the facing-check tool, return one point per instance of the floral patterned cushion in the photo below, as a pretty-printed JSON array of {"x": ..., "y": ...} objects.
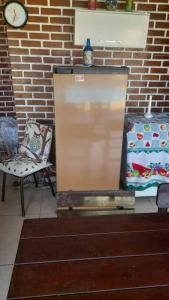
[
  {"x": 33, "y": 151},
  {"x": 37, "y": 140},
  {"x": 22, "y": 165}
]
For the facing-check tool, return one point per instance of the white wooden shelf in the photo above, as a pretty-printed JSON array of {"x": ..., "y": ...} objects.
[{"x": 111, "y": 28}]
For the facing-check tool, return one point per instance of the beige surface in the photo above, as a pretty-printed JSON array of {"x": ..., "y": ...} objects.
[
  {"x": 89, "y": 112},
  {"x": 111, "y": 28}
]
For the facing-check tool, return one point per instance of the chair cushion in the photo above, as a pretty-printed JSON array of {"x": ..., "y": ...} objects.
[
  {"x": 22, "y": 165},
  {"x": 37, "y": 140}
]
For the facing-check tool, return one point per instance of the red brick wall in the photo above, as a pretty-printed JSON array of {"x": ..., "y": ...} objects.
[
  {"x": 7, "y": 107},
  {"x": 46, "y": 40}
]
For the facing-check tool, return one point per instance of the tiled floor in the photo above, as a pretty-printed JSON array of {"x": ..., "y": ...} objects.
[{"x": 39, "y": 204}]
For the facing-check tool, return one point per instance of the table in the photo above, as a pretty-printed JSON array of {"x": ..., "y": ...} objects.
[
  {"x": 88, "y": 258},
  {"x": 147, "y": 151}
]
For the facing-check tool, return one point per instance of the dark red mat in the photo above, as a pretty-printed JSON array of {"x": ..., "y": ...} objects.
[{"x": 103, "y": 257}]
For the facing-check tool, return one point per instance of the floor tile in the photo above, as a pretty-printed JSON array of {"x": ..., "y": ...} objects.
[
  {"x": 10, "y": 229},
  {"x": 5, "y": 276},
  {"x": 145, "y": 205},
  {"x": 48, "y": 205}
]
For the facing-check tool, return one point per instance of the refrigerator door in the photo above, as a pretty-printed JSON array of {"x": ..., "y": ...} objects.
[{"x": 89, "y": 129}]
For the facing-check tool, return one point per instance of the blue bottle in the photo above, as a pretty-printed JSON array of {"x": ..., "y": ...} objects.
[{"x": 88, "y": 54}]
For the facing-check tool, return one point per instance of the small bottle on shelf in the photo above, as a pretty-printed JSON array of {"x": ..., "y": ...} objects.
[
  {"x": 88, "y": 54},
  {"x": 129, "y": 5},
  {"x": 92, "y": 4}
]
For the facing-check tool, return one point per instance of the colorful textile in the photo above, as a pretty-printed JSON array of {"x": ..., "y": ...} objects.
[
  {"x": 33, "y": 152},
  {"x": 147, "y": 151}
]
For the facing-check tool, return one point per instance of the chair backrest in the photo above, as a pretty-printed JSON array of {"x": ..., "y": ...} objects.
[
  {"x": 162, "y": 198},
  {"x": 8, "y": 135},
  {"x": 37, "y": 141}
]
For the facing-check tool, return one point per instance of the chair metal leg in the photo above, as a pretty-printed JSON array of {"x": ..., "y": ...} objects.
[
  {"x": 3, "y": 187},
  {"x": 162, "y": 210},
  {"x": 22, "y": 197},
  {"x": 35, "y": 179},
  {"x": 50, "y": 182}
]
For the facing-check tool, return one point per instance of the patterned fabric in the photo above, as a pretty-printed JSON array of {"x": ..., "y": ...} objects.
[
  {"x": 8, "y": 135},
  {"x": 147, "y": 151},
  {"x": 148, "y": 134},
  {"x": 33, "y": 151},
  {"x": 37, "y": 140}
]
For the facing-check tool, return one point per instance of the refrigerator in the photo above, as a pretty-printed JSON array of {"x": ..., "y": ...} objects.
[{"x": 89, "y": 121}]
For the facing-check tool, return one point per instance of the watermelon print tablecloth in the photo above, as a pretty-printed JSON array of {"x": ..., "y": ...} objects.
[{"x": 147, "y": 151}]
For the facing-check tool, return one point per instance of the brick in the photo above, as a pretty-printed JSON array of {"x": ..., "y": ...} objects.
[
  {"x": 45, "y": 109},
  {"x": 33, "y": 74},
  {"x": 133, "y": 62},
  {"x": 20, "y": 66},
  {"x": 31, "y": 44},
  {"x": 17, "y": 35},
  {"x": 35, "y": 102},
  {"x": 42, "y": 81},
  {"x": 23, "y": 95},
  {"x": 60, "y": 20},
  {"x": 39, "y": 36},
  {"x": 162, "y": 25},
  {"x": 113, "y": 62},
  {"x": 34, "y": 88},
  {"x": 52, "y": 60},
  {"x": 123, "y": 54},
  {"x": 166, "y": 63},
  {"x": 61, "y": 37},
  {"x": 51, "y": 28},
  {"x": 68, "y": 29},
  {"x": 153, "y": 48},
  {"x": 50, "y": 11},
  {"x": 146, "y": 7},
  {"x": 38, "y": 19},
  {"x": 32, "y": 27},
  {"x": 165, "y": 77},
  {"x": 138, "y": 83},
  {"x": 59, "y": 3},
  {"x": 77, "y": 3},
  {"x": 33, "y": 10},
  {"x": 38, "y": 2},
  {"x": 23, "y": 81},
  {"x": 134, "y": 77},
  {"x": 41, "y": 67},
  {"x": 156, "y": 33},
  {"x": 102, "y": 54},
  {"x": 163, "y": 8},
  {"x": 39, "y": 52},
  {"x": 150, "y": 77},
  {"x": 42, "y": 95},
  {"x": 24, "y": 108},
  {"x": 162, "y": 41},
  {"x": 164, "y": 91},
  {"x": 137, "y": 97},
  {"x": 61, "y": 53},
  {"x": 19, "y": 51},
  {"x": 150, "y": 63},
  {"x": 133, "y": 90},
  {"x": 157, "y": 16},
  {"x": 52, "y": 44},
  {"x": 161, "y": 56},
  {"x": 136, "y": 110},
  {"x": 159, "y": 70},
  {"x": 68, "y": 12},
  {"x": 157, "y": 84},
  {"x": 36, "y": 115},
  {"x": 31, "y": 59},
  {"x": 139, "y": 70}
]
